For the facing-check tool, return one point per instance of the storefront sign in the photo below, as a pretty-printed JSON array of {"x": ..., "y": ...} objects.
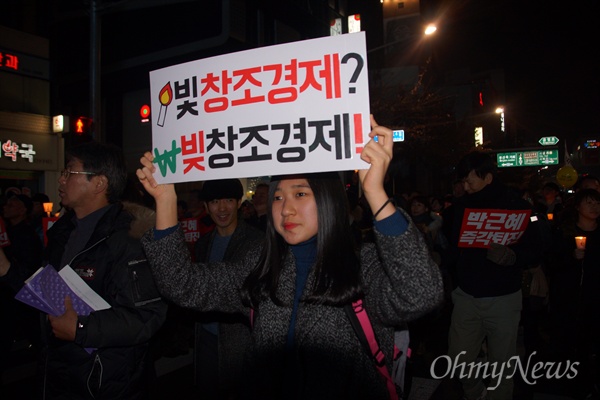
[
  {"x": 28, "y": 151},
  {"x": 23, "y": 64}
]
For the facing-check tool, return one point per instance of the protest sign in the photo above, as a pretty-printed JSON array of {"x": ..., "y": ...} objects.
[
  {"x": 480, "y": 227},
  {"x": 47, "y": 224},
  {"x": 289, "y": 108},
  {"x": 4, "y": 240}
]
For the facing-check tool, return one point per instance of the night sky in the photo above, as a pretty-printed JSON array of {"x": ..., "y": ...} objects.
[
  {"x": 549, "y": 53},
  {"x": 550, "y": 56}
]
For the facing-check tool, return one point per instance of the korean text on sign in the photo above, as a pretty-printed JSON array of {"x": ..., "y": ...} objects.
[
  {"x": 191, "y": 229},
  {"x": 296, "y": 107},
  {"x": 480, "y": 227},
  {"x": 4, "y": 240},
  {"x": 287, "y": 144}
]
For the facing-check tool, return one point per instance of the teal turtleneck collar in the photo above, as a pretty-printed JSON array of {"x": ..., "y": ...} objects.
[{"x": 305, "y": 254}]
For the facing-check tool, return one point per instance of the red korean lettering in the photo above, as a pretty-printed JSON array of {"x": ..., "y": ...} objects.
[
  {"x": 193, "y": 146},
  {"x": 358, "y": 132},
  {"x": 219, "y": 85},
  {"x": 11, "y": 61},
  {"x": 283, "y": 94},
  {"x": 10, "y": 150},
  {"x": 247, "y": 76},
  {"x": 310, "y": 80},
  {"x": 331, "y": 75}
]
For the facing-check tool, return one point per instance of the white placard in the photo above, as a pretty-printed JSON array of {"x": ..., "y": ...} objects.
[{"x": 290, "y": 108}]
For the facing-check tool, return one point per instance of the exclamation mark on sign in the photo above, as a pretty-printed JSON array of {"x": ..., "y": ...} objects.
[{"x": 358, "y": 133}]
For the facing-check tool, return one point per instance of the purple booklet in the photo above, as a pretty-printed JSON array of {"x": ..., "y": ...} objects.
[{"x": 46, "y": 291}]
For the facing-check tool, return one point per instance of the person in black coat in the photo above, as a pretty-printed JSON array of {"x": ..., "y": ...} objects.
[
  {"x": 489, "y": 253},
  {"x": 222, "y": 340},
  {"x": 23, "y": 248},
  {"x": 103, "y": 355}
]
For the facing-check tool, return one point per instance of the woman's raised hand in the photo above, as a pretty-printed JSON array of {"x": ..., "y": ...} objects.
[
  {"x": 379, "y": 155},
  {"x": 164, "y": 194}
]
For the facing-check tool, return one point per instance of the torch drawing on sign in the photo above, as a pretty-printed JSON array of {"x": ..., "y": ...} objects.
[{"x": 165, "y": 97}]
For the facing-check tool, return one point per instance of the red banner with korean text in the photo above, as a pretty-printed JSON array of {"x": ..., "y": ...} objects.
[
  {"x": 480, "y": 227},
  {"x": 4, "y": 240},
  {"x": 193, "y": 229},
  {"x": 47, "y": 224}
]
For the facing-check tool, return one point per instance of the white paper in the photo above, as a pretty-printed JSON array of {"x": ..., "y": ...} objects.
[{"x": 82, "y": 289}]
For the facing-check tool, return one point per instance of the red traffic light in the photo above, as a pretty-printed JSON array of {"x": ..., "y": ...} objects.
[
  {"x": 145, "y": 111},
  {"x": 81, "y": 125}
]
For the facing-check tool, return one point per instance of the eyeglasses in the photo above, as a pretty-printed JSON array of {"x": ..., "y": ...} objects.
[{"x": 65, "y": 173}]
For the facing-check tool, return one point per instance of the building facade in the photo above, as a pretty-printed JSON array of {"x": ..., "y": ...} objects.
[{"x": 31, "y": 155}]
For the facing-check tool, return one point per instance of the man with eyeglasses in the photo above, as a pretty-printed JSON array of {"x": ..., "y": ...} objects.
[{"x": 95, "y": 239}]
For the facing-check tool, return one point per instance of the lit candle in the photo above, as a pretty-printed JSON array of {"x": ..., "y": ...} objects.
[
  {"x": 580, "y": 242},
  {"x": 48, "y": 209},
  {"x": 550, "y": 216}
]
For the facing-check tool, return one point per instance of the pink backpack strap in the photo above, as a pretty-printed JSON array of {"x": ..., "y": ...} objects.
[{"x": 367, "y": 336}]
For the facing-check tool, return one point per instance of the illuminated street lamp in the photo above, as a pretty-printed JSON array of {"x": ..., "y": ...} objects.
[
  {"x": 430, "y": 29},
  {"x": 500, "y": 110}
]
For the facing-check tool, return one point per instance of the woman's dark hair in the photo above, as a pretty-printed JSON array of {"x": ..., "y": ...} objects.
[
  {"x": 103, "y": 159},
  {"x": 585, "y": 194},
  {"x": 568, "y": 224},
  {"x": 336, "y": 269}
]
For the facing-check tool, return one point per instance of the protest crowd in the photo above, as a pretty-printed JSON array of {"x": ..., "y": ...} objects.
[
  {"x": 544, "y": 296},
  {"x": 309, "y": 284}
]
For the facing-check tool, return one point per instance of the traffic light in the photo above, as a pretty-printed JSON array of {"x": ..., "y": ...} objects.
[
  {"x": 145, "y": 113},
  {"x": 81, "y": 126}
]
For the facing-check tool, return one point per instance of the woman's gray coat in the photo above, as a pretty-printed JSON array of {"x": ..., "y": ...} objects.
[{"x": 400, "y": 281}]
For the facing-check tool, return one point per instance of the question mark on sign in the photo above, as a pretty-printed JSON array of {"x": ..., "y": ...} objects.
[{"x": 359, "y": 66}]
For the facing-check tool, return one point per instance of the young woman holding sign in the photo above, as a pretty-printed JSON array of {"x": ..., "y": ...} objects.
[{"x": 299, "y": 281}]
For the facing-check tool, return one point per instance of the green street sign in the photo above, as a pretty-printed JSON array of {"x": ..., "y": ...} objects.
[
  {"x": 527, "y": 158},
  {"x": 548, "y": 140}
]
